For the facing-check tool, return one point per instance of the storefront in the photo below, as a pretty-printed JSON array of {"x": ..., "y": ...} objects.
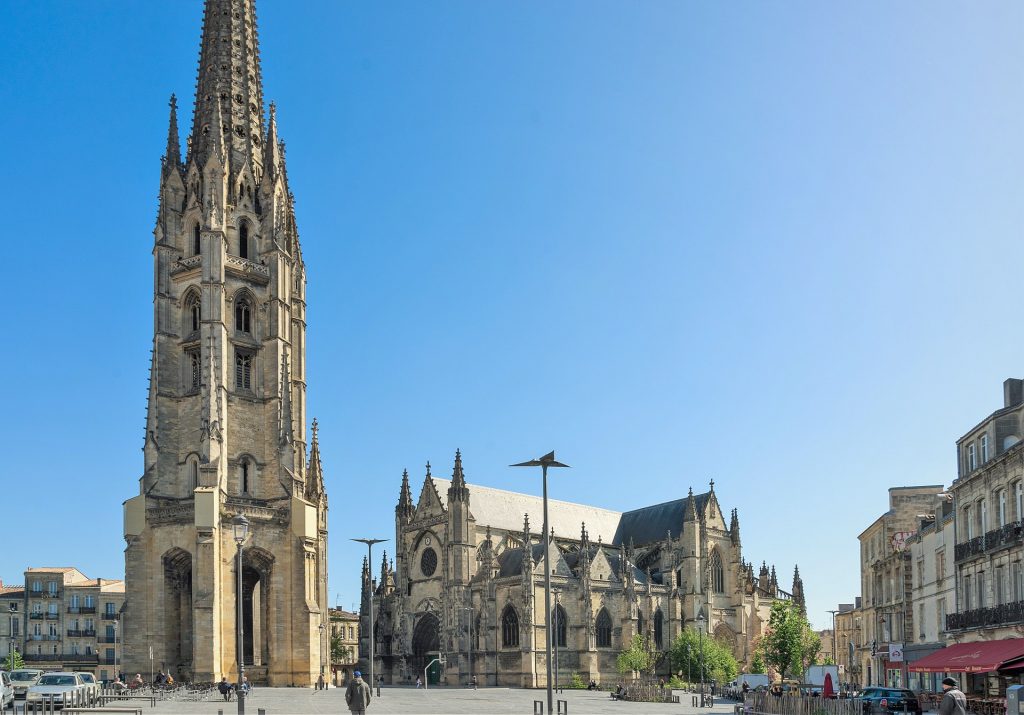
[{"x": 984, "y": 669}]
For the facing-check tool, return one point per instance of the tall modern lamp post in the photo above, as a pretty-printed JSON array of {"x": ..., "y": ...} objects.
[
  {"x": 700, "y": 628},
  {"x": 834, "y": 636},
  {"x": 323, "y": 629},
  {"x": 240, "y": 525},
  {"x": 548, "y": 460},
  {"x": 369, "y": 560}
]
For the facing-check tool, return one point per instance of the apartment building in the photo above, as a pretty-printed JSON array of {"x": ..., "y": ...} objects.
[{"x": 345, "y": 627}]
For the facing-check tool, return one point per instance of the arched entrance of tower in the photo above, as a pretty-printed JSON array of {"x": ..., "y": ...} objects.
[
  {"x": 178, "y": 612},
  {"x": 257, "y": 567},
  {"x": 426, "y": 642}
]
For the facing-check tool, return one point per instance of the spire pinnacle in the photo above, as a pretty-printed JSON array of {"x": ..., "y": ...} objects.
[
  {"x": 172, "y": 157},
  {"x": 405, "y": 506},
  {"x": 229, "y": 82},
  {"x": 314, "y": 470}
]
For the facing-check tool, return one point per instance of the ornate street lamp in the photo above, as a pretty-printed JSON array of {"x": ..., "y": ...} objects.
[
  {"x": 548, "y": 460},
  {"x": 369, "y": 560},
  {"x": 240, "y": 526}
]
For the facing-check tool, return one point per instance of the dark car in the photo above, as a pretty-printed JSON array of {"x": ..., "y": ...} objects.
[{"x": 890, "y": 700}]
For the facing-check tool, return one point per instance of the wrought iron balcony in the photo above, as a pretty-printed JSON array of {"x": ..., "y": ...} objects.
[
  {"x": 1010, "y": 534},
  {"x": 43, "y": 657},
  {"x": 36, "y": 615},
  {"x": 109, "y": 616},
  {"x": 81, "y": 657},
  {"x": 81, "y": 633},
  {"x": 52, "y": 616},
  {"x": 984, "y": 617},
  {"x": 107, "y": 639},
  {"x": 81, "y": 609},
  {"x": 108, "y": 661}
]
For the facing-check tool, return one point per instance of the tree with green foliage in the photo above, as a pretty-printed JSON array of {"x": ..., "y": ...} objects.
[
  {"x": 639, "y": 657},
  {"x": 788, "y": 643},
  {"x": 718, "y": 661},
  {"x": 14, "y": 661},
  {"x": 338, "y": 654},
  {"x": 757, "y": 662}
]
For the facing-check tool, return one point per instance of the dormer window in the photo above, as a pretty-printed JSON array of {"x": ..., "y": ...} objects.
[
  {"x": 984, "y": 448},
  {"x": 972, "y": 457}
]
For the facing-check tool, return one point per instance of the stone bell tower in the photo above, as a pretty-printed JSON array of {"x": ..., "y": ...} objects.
[{"x": 226, "y": 418}]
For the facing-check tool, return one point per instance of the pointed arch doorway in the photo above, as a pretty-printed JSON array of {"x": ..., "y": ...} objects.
[{"x": 426, "y": 645}]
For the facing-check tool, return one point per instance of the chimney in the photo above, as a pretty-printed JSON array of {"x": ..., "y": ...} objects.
[{"x": 1013, "y": 392}]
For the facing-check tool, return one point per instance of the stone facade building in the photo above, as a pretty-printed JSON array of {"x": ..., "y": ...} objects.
[
  {"x": 988, "y": 496},
  {"x": 467, "y": 583},
  {"x": 63, "y": 620},
  {"x": 887, "y": 618},
  {"x": 847, "y": 640},
  {"x": 226, "y": 420},
  {"x": 345, "y": 627}
]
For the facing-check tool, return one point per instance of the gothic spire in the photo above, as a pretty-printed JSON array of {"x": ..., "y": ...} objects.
[
  {"x": 314, "y": 470},
  {"x": 734, "y": 527},
  {"x": 172, "y": 157},
  {"x": 229, "y": 82},
  {"x": 691, "y": 507},
  {"x": 273, "y": 152},
  {"x": 458, "y": 491},
  {"x": 405, "y": 506},
  {"x": 526, "y": 531}
]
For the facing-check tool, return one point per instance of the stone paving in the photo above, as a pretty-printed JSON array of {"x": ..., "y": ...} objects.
[{"x": 439, "y": 701}]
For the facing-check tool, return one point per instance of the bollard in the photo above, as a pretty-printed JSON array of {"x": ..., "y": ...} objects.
[
  {"x": 563, "y": 707},
  {"x": 538, "y": 707}
]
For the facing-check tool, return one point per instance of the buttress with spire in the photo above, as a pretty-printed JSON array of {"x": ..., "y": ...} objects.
[{"x": 226, "y": 430}]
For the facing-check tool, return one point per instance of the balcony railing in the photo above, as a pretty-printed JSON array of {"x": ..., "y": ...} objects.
[
  {"x": 982, "y": 617},
  {"x": 36, "y": 615},
  {"x": 81, "y": 657},
  {"x": 1010, "y": 534},
  {"x": 52, "y": 616},
  {"x": 107, "y": 639},
  {"x": 43, "y": 657},
  {"x": 108, "y": 661},
  {"x": 81, "y": 609},
  {"x": 109, "y": 616},
  {"x": 81, "y": 633}
]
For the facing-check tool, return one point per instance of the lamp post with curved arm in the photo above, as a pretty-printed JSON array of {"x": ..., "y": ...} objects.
[
  {"x": 240, "y": 526},
  {"x": 369, "y": 560}
]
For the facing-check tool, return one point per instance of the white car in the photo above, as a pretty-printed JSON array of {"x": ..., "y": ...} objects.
[
  {"x": 6, "y": 690},
  {"x": 22, "y": 679},
  {"x": 64, "y": 688},
  {"x": 91, "y": 687}
]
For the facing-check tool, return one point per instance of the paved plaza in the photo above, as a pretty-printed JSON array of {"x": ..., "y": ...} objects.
[{"x": 440, "y": 701}]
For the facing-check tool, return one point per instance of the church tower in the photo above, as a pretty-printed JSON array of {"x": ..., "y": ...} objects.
[{"x": 226, "y": 418}]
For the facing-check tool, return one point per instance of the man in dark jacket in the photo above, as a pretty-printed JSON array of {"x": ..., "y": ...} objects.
[
  {"x": 953, "y": 701},
  {"x": 357, "y": 695}
]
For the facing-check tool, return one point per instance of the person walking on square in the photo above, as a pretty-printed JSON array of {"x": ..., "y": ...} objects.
[
  {"x": 320, "y": 682},
  {"x": 954, "y": 702},
  {"x": 357, "y": 695}
]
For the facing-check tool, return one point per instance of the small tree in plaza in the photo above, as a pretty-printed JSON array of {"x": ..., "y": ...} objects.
[
  {"x": 788, "y": 644},
  {"x": 13, "y": 661},
  {"x": 639, "y": 657},
  {"x": 717, "y": 661}
]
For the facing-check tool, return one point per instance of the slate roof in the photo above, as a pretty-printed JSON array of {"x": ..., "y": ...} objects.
[
  {"x": 510, "y": 562},
  {"x": 651, "y": 523},
  {"x": 503, "y": 509}
]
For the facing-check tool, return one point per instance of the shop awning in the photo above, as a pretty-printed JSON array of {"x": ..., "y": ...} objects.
[{"x": 983, "y": 657}]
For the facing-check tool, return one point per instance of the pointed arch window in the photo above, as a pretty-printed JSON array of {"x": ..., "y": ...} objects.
[
  {"x": 603, "y": 629},
  {"x": 243, "y": 370},
  {"x": 717, "y": 573},
  {"x": 197, "y": 244},
  {"x": 659, "y": 629},
  {"x": 509, "y": 627},
  {"x": 193, "y": 474},
  {"x": 243, "y": 477},
  {"x": 193, "y": 314},
  {"x": 195, "y": 370},
  {"x": 559, "y": 621},
  {"x": 243, "y": 240},
  {"x": 243, "y": 316}
]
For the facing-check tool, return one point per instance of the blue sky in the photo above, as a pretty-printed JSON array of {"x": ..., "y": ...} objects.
[{"x": 773, "y": 244}]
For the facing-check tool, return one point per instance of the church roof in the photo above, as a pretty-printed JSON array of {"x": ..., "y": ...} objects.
[
  {"x": 503, "y": 509},
  {"x": 651, "y": 523}
]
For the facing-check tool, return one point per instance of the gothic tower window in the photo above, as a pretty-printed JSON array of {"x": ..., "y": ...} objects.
[
  {"x": 243, "y": 476},
  {"x": 195, "y": 370},
  {"x": 603, "y": 629},
  {"x": 243, "y": 370},
  {"x": 558, "y": 617},
  {"x": 243, "y": 240},
  {"x": 197, "y": 245},
  {"x": 509, "y": 627},
  {"x": 717, "y": 573},
  {"x": 659, "y": 629},
  {"x": 641, "y": 626},
  {"x": 193, "y": 314},
  {"x": 243, "y": 316},
  {"x": 193, "y": 473}
]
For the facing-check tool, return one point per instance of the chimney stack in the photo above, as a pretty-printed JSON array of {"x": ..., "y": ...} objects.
[{"x": 1013, "y": 392}]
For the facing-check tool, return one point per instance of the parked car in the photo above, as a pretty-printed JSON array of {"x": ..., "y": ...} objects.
[
  {"x": 22, "y": 678},
  {"x": 64, "y": 688},
  {"x": 890, "y": 700},
  {"x": 6, "y": 690},
  {"x": 91, "y": 687}
]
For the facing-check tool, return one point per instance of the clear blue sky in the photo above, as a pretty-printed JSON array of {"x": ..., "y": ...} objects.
[{"x": 774, "y": 244}]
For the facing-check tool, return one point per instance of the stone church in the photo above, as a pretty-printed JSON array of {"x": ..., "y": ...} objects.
[
  {"x": 226, "y": 419},
  {"x": 467, "y": 583}
]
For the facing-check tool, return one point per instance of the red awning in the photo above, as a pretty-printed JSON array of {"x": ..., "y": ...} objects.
[{"x": 983, "y": 657}]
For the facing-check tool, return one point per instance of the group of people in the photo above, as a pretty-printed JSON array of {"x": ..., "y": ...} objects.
[{"x": 228, "y": 689}]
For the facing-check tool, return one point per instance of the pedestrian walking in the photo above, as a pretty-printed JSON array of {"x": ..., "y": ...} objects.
[
  {"x": 357, "y": 695},
  {"x": 419, "y": 682},
  {"x": 954, "y": 702},
  {"x": 320, "y": 682}
]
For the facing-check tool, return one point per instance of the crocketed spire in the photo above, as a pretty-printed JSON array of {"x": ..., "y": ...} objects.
[
  {"x": 229, "y": 82},
  {"x": 405, "y": 506},
  {"x": 458, "y": 492},
  {"x": 172, "y": 157}
]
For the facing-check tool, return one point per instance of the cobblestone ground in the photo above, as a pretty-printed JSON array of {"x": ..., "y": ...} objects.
[{"x": 440, "y": 701}]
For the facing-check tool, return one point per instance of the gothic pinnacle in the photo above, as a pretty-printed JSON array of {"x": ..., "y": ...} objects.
[{"x": 172, "y": 157}]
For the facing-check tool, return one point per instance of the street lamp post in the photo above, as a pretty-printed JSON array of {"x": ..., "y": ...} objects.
[
  {"x": 241, "y": 530},
  {"x": 369, "y": 560},
  {"x": 834, "y": 637},
  {"x": 323, "y": 629},
  {"x": 554, "y": 635},
  {"x": 700, "y": 631},
  {"x": 548, "y": 460}
]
